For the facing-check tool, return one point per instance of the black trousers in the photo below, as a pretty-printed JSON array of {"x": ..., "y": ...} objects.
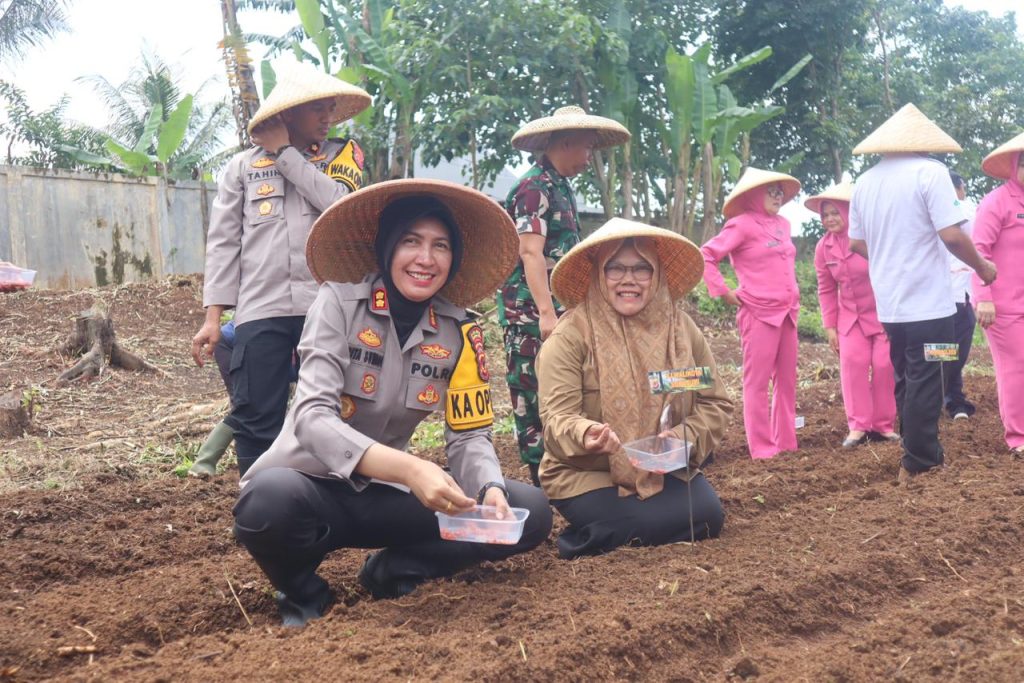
[
  {"x": 918, "y": 389},
  {"x": 963, "y": 334},
  {"x": 261, "y": 368},
  {"x": 601, "y": 520},
  {"x": 289, "y": 521},
  {"x": 222, "y": 354}
]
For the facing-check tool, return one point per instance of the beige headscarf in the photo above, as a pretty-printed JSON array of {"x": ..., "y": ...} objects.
[{"x": 625, "y": 350}]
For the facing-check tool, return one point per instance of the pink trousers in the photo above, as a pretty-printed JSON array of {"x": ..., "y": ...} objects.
[
  {"x": 866, "y": 373},
  {"x": 1006, "y": 341},
  {"x": 769, "y": 356}
]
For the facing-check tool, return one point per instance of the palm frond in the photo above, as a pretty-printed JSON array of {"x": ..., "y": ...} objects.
[{"x": 27, "y": 23}]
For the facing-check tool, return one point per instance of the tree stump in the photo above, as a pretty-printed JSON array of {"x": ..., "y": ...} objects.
[
  {"x": 94, "y": 339},
  {"x": 14, "y": 419}
]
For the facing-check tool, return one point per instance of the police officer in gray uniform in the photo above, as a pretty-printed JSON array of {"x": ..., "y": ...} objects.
[
  {"x": 388, "y": 344},
  {"x": 255, "y": 251}
]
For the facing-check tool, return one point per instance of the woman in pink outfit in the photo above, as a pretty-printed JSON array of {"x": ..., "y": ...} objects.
[
  {"x": 757, "y": 241},
  {"x": 851, "y": 323},
  {"x": 999, "y": 236}
]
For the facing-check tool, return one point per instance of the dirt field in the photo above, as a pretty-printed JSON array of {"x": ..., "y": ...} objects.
[{"x": 826, "y": 569}]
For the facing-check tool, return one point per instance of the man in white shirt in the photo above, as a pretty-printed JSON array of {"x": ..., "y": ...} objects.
[
  {"x": 904, "y": 209},
  {"x": 956, "y": 403}
]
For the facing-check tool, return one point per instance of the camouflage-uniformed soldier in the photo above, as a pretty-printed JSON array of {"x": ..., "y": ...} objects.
[
  {"x": 543, "y": 206},
  {"x": 266, "y": 203}
]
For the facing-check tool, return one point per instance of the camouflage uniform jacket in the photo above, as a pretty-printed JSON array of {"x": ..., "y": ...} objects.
[{"x": 542, "y": 203}]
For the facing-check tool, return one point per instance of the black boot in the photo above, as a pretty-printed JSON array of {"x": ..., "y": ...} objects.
[
  {"x": 534, "y": 473},
  {"x": 373, "y": 579},
  {"x": 295, "y": 614}
]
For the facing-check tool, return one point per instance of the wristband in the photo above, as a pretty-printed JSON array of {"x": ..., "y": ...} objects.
[{"x": 491, "y": 485}]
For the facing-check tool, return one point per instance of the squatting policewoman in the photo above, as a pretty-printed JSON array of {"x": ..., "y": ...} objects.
[{"x": 387, "y": 344}]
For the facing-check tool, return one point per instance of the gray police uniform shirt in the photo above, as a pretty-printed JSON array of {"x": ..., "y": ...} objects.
[
  {"x": 357, "y": 387},
  {"x": 259, "y": 222}
]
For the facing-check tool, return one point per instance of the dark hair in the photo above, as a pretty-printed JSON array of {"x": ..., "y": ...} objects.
[{"x": 958, "y": 180}]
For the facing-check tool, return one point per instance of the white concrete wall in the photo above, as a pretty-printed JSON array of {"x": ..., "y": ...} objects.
[{"x": 82, "y": 229}]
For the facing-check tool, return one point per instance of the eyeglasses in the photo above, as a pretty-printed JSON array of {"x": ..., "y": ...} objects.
[
  {"x": 776, "y": 192},
  {"x": 642, "y": 272}
]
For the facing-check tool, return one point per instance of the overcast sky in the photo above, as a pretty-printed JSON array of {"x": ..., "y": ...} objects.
[{"x": 107, "y": 37}]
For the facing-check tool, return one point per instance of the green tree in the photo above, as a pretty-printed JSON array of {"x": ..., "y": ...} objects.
[
  {"x": 45, "y": 135},
  {"x": 962, "y": 68}
]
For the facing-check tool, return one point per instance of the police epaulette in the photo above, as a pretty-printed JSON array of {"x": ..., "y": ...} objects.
[{"x": 340, "y": 141}]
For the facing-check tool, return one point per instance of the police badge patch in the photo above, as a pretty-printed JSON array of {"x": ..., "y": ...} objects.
[{"x": 369, "y": 337}]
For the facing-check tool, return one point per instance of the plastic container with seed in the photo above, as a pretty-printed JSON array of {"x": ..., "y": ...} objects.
[
  {"x": 658, "y": 454},
  {"x": 13, "y": 278},
  {"x": 481, "y": 525}
]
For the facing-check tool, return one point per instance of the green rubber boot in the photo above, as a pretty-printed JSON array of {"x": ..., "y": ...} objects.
[{"x": 211, "y": 451}]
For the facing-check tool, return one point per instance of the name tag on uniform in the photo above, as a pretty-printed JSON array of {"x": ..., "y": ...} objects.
[
  {"x": 681, "y": 379},
  {"x": 941, "y": 352},
  {"x": 772, "y": 243}
]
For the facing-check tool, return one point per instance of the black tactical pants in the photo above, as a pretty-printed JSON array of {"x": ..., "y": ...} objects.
[
  {"x": 260, "y": 372},
  {"x": 289, "y": 521}
]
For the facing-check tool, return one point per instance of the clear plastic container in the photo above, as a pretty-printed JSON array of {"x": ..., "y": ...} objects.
[
  {"x": 480, "y": 525},
  {"x": 13, "y": 277},
  {"x": 657, "y": 454}
]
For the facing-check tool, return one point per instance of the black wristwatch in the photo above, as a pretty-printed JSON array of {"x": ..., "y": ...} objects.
[
  {"x": 491, "y": 485},
  {"x": 280, "y": 149}
]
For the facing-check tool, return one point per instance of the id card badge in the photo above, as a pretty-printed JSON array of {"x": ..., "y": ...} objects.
[
  {"x": 680, "y": 379},
  {"x": 939, "y": 353}
]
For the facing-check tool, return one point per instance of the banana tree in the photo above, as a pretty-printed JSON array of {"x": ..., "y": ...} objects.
[
  {"x": 619, "y": 99},
  {"x": 150, "y": 154},
  {"x": 706, "y": 122}
]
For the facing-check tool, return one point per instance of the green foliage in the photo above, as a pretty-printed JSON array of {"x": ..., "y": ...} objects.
[
  {"x": 51, "y": 140},
  {"x": 156, "y": 129},
  {"x": 809, "y": 322},
  {"x": 460, "y": 77},
  {"x": 428, "y": 435},
  {"x": 29, "y": 23},
  {"x": 714, "y": 307},
  {"x": 961, "y": 67}
]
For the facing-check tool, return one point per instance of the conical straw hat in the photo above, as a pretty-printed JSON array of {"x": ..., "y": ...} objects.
[
  {"x": 681, "y": 260},
  {"x": 340, "y": 245},
  {"x": 908, "y": 130},
  {"x": 755, "y": 177},
  {"x": 843, "y": 192},
  {"x": 534, "y": 136},
  {"x": 999, "y": 164},
  {"x": 298, "y": 83}
]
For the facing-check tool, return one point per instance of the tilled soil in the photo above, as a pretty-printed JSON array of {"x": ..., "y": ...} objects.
[{"x": 826, "y": 570}]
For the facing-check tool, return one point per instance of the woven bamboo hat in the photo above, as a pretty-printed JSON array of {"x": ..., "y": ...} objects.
[
  {"x": 755, "y": 177},
  {"x": 340, "y": 245},
  {"x": 534, "y": 136},
  {"x": 681, "y": 260},
  {"x": 843, "y": 192},
  {"x": 999, "y": 164},
  {"x": 298, "y": 83},
  {"x": 908, "y": 130}
]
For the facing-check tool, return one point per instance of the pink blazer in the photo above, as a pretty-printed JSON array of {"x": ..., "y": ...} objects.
[
  {"x": 999, "y": 236},
  {"x": 764, "y": 256},
  {"x": 844, "y": 289}
]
